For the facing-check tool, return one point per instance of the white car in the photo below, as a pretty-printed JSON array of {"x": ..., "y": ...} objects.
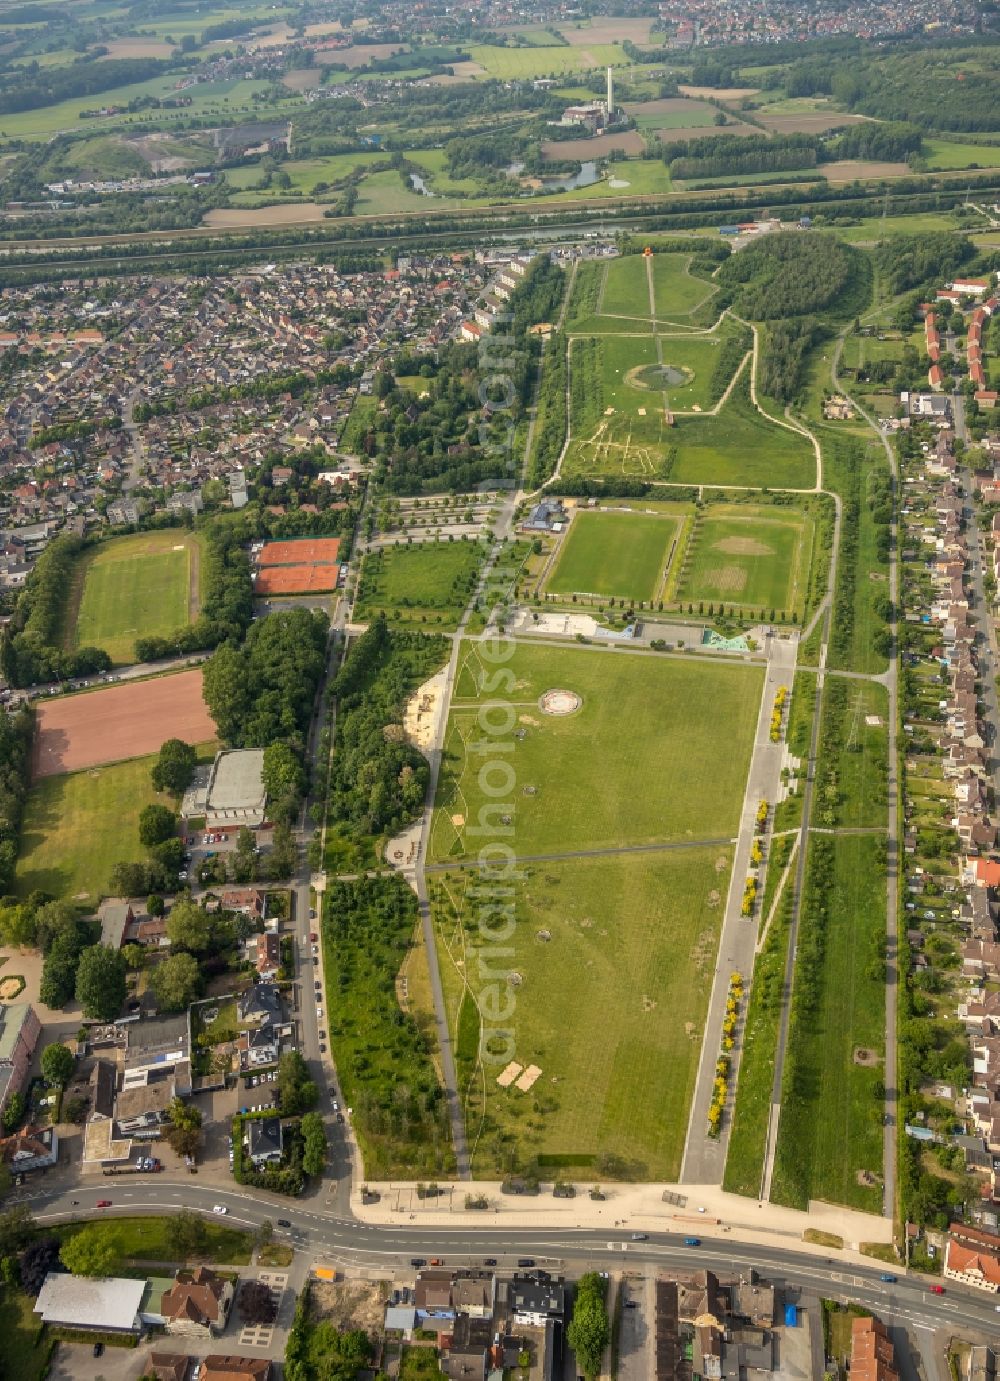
[
  {"x": 220, "y": 1209},
  {"x": 319, "y": 1011}
]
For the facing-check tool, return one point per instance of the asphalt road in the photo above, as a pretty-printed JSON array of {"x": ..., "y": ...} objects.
[{"x": 338, "y": 1240}]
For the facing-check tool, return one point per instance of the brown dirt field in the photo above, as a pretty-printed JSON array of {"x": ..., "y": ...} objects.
[
  {"x": 298, "y": 213},
  {"x": 302, "y": 79},
  {"x": 808, "y": 122},
  {"x": 138, "y": 48},
  {"x": 119, "y": 722},
  {"x": 668, "y": 105},
  {"x": 607, "y": 31},
  {"x": 465, "y": 71},
  {"x": 361, "y": 54},
  {"x": 630, "y": 142},
  {"x": 743, "y": 546},
  {"x": 671, "y": 136},
  {"x": 848, "y": 170},
  {"x": 295, "y": 580},
  {"x": 299, "y": 552},
  {"x": 721, "y": 93}
]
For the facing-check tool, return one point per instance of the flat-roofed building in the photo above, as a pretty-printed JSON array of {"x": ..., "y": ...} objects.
[
  {"x": 235, "y": 794},
  {"x": 103, "y": 1306}
]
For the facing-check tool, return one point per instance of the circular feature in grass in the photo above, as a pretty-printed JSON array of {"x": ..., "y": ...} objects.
[
  {"x": 559, "y": 702},
  {"x": 11, "y": 986},
  {"x": 655, "y": 377}
]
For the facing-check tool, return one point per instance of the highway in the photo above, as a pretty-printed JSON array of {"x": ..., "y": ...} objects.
[{"x": 335, "y": 1239}]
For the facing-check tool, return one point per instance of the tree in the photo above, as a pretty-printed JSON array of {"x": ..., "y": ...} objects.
[
  {"x": 256, "y": 1302},
  {"x": 18, "y": 926},
  {"x": 58, "y": 1063},
  {"x": 17, "y": 1227},
  {"x": 13, "y": 1113},
  {"x": 184, "y": 1127},
  {"x": 100, "y": 982},
  {"x": 134, "y": 956},
  {"x": 154, "y": 904},
  {"x": 59, "y": 970},
  {"x": 189, "y": 927},
  {"x": 283, "y": 856},
  {"x": 156, "y": 824},
  {"x": 189, "y": 1232},
  {"x": 91, "y": 1252},
  {"x": 39, "y": 1258},
  {"x": 174, "y": 766},
  {"x": 314, "y": 1149},
  {"x": 589, "y": 1332},
  {"x": 176, "y": 982},
  {"x": 284, "y": 777},
  {"x": 244, "y": 859},
  {"x": 296, "y": 1091},
  {"x": 265, "y": 1232}
]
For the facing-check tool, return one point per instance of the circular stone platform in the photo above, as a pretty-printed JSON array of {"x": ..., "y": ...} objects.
[{"x": 559, "y": 702}]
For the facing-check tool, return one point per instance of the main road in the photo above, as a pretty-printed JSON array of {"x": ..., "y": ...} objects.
[{"x": 334, "y": 1239}]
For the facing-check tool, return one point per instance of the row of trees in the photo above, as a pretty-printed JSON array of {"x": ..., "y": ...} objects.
[
  {"x": 31, "y": 649},
  {"x": 15, "y": 771},
  {"x": 226, "y": 599}
]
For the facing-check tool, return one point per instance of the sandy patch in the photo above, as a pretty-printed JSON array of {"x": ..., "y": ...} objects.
[
  {"x": 849, "y": 169},
  {"x": 742, "y": 546},
  {"x": 302, "y": 79},
  {"x": 468, "y": 70},
  {"x": 559, "y": 702},
  {"x": 298, "y": 214},
  {"x": 420, "y": 715},
  {"x": 629, "y": 142}
]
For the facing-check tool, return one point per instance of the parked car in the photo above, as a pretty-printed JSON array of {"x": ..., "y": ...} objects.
[
  {"x": 417, "y": 1261},
  {"x": 437, "y": 1261},
  {"x": 490, "y": 1261},
  {"x": 322, "y": 1035},
  {"x": 220, "y": 1209},
  {"x": 525, "y": 1261},
  {"x": 98, "y": 1349}
]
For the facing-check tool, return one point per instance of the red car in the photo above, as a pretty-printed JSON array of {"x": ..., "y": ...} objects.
[
  {"x": 313, "y": 936},
  {"x": 104, "y": 1203},
  {"x": 937, "y": 1289}
]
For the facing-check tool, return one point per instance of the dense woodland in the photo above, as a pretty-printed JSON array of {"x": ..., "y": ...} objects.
[{"x": 788, "y": 274}]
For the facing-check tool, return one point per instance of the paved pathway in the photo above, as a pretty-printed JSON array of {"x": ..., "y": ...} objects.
[{"x": 705, "y": 1156}]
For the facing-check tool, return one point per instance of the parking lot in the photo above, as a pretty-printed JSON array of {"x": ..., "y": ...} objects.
[{"x": 636, "y": 1359}]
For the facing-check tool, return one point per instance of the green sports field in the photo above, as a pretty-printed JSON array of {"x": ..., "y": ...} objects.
[
  {"x": 658, "y": 751},
  {"x": 625, "y": 290},
  {"x": 620, "y": 555},
  {"x": 134, "y": 587},
  {"x": 78, "y": 826},
  {"x": 752, "y": 557},
  {"x": 607, "y": 975},
  {"x": 741, "y": 446}
]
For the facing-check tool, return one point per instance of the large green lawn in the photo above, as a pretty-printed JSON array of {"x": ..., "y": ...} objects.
[
  {"x": 23, "y": 1358},
  {"x": 676, "y": 292},
  {"x": 831, "y": 1119},
  {"x": 740, "y": 446},
  {"x": 752, "y": 557},
  {"x": 521, "y": 63},
  {"x": 620, "y": 555},
  {"x": 658, "y": 750},
  {"x": 134, "y": 587},
  {"x": 626, "y": 287},
  {"x": 78, "y": 826},
  {"x": 606, "y": 977},
  {"x": 425, "y": 582},
  {"x": 152, "y": 1239}
]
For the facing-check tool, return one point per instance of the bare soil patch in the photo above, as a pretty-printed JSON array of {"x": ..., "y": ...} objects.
[
  {"x": 629, "y": 142},
  {"x": 849, "y": 169},
  {"x": 809, "y": 121},
  {"x": 350, "y": 1304},
  {"x": 119, "y": 722},
  {"x": 666, "y": 105},
  {"x": 302, "y": 78},
  {"x": 743, "y": 546},
  {"x": 288, "y": 214},
  {"x": 137, "y": 48},
  {"x": 670, "y": 136},
  {"x": 559, "y": 702},
  {"x": 466, "y": 70},
  {"x": 607, "y": 31},
  {"x": 730, "y": 579}
]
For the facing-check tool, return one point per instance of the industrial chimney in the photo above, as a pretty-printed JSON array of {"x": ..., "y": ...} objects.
[{"x": 611, "y": 93}]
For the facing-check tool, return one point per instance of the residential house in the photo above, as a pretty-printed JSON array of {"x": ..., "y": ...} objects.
[
  {"x": 973, "y": 1257},
  {"x": 217, "y": 1367},
  {"x": 265, "y": 1142},
  {"x": 259, "y": 1005},
  {"x": 19, "y": 1033},
  {"x": 198, "y": 1304},
  {"x": 32, "y": 1148}
]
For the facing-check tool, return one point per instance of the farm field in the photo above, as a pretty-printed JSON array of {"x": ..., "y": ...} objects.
[
  {"x": 671, "y": 112},
  {"x": 830, "y": 1133},
  {"x": 658, "y": 722},
  {"x": 513, "y": 63},
  {"x": 95, "y": 727},
  {"x": 610, "y": 967},
  {"x": 141, "y": 586},
  {"x": 426, "y": 582},
  {"x": 78, "y": 826},
  {"x": 943, "y": 154},
  {"x": 621, "y": 555},
  {"x": 752, "y": 557}
]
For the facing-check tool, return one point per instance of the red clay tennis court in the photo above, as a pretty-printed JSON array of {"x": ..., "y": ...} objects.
[
  {"x": 300, "y": 551},
  {"x": 118, "y": 722},
  {"x": 295, "y": 580}
]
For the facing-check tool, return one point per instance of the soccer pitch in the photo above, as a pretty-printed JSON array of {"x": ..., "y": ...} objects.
[
  {"x": 618, "y": 555},
  {"x": 134, "y": 587}
]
